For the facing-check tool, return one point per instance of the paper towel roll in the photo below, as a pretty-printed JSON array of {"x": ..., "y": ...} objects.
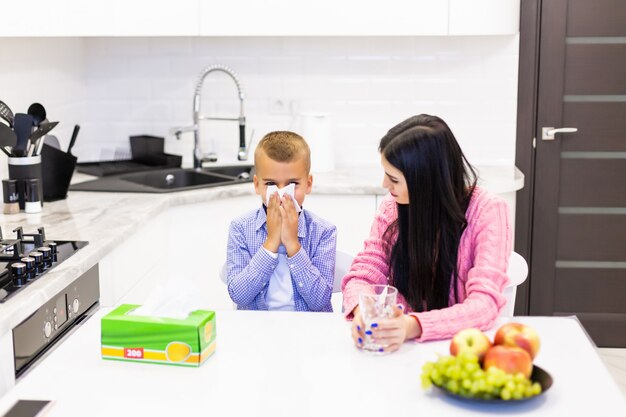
[{"x": 315, "y": 129}]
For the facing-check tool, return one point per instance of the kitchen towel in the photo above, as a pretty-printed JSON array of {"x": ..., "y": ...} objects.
[
  {"x": 316, "y": 130},
  {"x": 288, "y": 190}
]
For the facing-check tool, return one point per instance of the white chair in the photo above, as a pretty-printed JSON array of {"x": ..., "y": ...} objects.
[
  {"x": 343, "y": 261},
  {"x": 517, "y": 273}
]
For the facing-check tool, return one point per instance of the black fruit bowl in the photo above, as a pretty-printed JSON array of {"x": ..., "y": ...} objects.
[{"x": 538, "y": 375}]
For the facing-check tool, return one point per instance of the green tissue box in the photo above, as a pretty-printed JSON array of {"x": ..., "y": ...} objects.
[{"x": 186, "y": 342}]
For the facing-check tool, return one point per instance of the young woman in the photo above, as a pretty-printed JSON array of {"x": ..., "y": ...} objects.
[{"x": 443, "y": 242}]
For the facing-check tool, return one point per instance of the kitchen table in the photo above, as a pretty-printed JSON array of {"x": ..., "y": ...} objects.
[{"x": 303, "y": 364}]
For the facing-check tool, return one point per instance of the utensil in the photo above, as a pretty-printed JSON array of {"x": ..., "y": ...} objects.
[
  {"x": 39, "y": 145},
  {"x": 6, "y": 113},
  {"x": 43, "y": 130},
  {"x": 73, "y": 140},
  {"x": 38, "y": 112},
  {"x": 7, "y": 136},
  {"x": 22, "y": 126}
]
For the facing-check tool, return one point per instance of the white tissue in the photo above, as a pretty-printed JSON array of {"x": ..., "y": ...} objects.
[
  {"x": 288, "y": 190},
  {"x": 175, "y": 299}
]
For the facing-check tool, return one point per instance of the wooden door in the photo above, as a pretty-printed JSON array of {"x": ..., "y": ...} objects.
[{"x": 578, "y": 238}]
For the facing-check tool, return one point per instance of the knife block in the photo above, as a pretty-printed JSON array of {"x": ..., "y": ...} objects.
[{"x": 57, "y": 168}]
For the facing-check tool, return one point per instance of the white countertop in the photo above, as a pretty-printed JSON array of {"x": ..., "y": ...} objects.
[
  {"x": 303, "y": 364},
  {"x": 104, "y": 219}
]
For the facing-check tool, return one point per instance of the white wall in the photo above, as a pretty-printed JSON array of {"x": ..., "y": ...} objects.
[
  {"x": 116, "y": 87},
  {"x": 49, "y": 71}
]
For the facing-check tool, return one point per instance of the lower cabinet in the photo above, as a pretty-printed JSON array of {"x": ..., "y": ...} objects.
[{"x": 182, "y": 250}]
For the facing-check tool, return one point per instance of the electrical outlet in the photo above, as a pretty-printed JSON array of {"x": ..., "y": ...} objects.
[{"x": 280, "y": 106}]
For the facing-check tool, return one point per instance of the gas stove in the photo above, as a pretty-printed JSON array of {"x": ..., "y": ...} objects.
[{"x": 28, "y": 257}]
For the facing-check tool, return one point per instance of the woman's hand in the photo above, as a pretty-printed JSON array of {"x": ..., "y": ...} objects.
[
  {"x": 390, "y": 332},
  {"x": 358, "y": 331},
  {"x": 393, "y": 332}
]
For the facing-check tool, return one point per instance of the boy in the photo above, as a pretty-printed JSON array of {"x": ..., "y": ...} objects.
[{"x": 278, "y": 257}]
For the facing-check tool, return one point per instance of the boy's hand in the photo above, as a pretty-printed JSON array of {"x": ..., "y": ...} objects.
[
  {"x": 289, "y": 226},
  {"x": 274, "y": 222}
]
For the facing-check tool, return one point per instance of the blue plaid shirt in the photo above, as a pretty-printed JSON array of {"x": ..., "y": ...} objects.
[{"x": 250, "y": 267}]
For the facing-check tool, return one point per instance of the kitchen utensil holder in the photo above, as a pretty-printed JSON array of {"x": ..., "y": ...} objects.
[
  {"x": 24, "y": 168},
  {"x": 58, "y": 168}
]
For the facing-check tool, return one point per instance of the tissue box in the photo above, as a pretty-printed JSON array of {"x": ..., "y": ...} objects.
[{"x": 186, "y": 342}]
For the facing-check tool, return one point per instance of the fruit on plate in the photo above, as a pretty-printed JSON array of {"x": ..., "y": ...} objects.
[
  {"x": 470, "y": 340},
  {"x": 511, "y": 360},
  {"x": 518, "y": 335},
  {"x": 462, "y": 375}
]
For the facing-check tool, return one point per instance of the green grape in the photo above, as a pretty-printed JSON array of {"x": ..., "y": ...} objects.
[
  {"x": 471, "y": 367},
  {"x": 510, "y": 386},
  {"x": 505, "y": 394},
  {"x": 536, "y": 388},
  {"x": 426, "y": 381},
  {"x": 528, "y": 391},
  {"x": 519, "y": 378},
  {"x": 452, "y": 386},
  {"x": 466, "y": 383}
]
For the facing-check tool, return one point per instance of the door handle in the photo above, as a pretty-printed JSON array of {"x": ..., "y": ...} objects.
[{"x": 547, "y": 133}]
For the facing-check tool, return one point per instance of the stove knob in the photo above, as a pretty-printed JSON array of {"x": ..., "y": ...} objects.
[
  {"x": 75, "y": 305},
  {"x": 37, "y": 256},
  {"x": 18, "y": 268},
  {"x": 47, "y": 253},
  {"x": 47, "y": 329},
  {"x": 29, "y": 262},
  {"x": 53, "y": 247}
]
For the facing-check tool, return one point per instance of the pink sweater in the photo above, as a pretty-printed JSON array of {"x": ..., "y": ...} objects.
[{"x": 483, "y": 257}]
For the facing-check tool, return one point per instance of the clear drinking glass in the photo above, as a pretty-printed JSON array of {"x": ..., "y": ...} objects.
[{"x": 376, "y": 303}]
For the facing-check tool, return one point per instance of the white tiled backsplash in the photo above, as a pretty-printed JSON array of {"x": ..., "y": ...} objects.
[{"x": 117, "y": 87}]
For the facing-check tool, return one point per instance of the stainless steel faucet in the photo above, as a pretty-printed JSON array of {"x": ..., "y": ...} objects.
[{"x": 198, "y": 158}]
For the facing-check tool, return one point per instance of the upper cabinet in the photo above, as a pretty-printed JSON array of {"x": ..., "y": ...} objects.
[
  {"x": 260, "y": 18},
  {"x": 100, "y": 18},
  {"x": 325, "y": 18},
  {"x": 483, "y": 17}
]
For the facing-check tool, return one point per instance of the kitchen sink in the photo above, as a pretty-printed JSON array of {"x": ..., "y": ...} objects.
[
  {"x": 170, "y": 180},
  {"x": 243, "y": 172},
  {"x": 176, "y": 178}
]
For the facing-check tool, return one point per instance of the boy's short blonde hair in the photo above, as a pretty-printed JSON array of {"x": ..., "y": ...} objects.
[{"x": 284, "y": 146}]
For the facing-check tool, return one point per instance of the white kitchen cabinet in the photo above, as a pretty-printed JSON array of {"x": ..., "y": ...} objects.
[
  {"x": 198, "y": 239},
  {"x": 100, "y": 18},
  {"x": 7, "y": 367},
  {"x": 323, "y": 18},
  {"x": 140, "y": 255},
  {"x": 259, "y": 18},
  {"x": 483, "y": 17}
]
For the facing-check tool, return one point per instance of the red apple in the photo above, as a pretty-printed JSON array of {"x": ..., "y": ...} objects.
[
  {"x": 518, "y": 335},
  {"x": 472, "y": 340},
  {"x": 509, "y": 359}
]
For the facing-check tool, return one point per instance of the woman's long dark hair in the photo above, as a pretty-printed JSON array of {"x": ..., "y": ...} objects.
[{"x": 440, "y": 182}]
